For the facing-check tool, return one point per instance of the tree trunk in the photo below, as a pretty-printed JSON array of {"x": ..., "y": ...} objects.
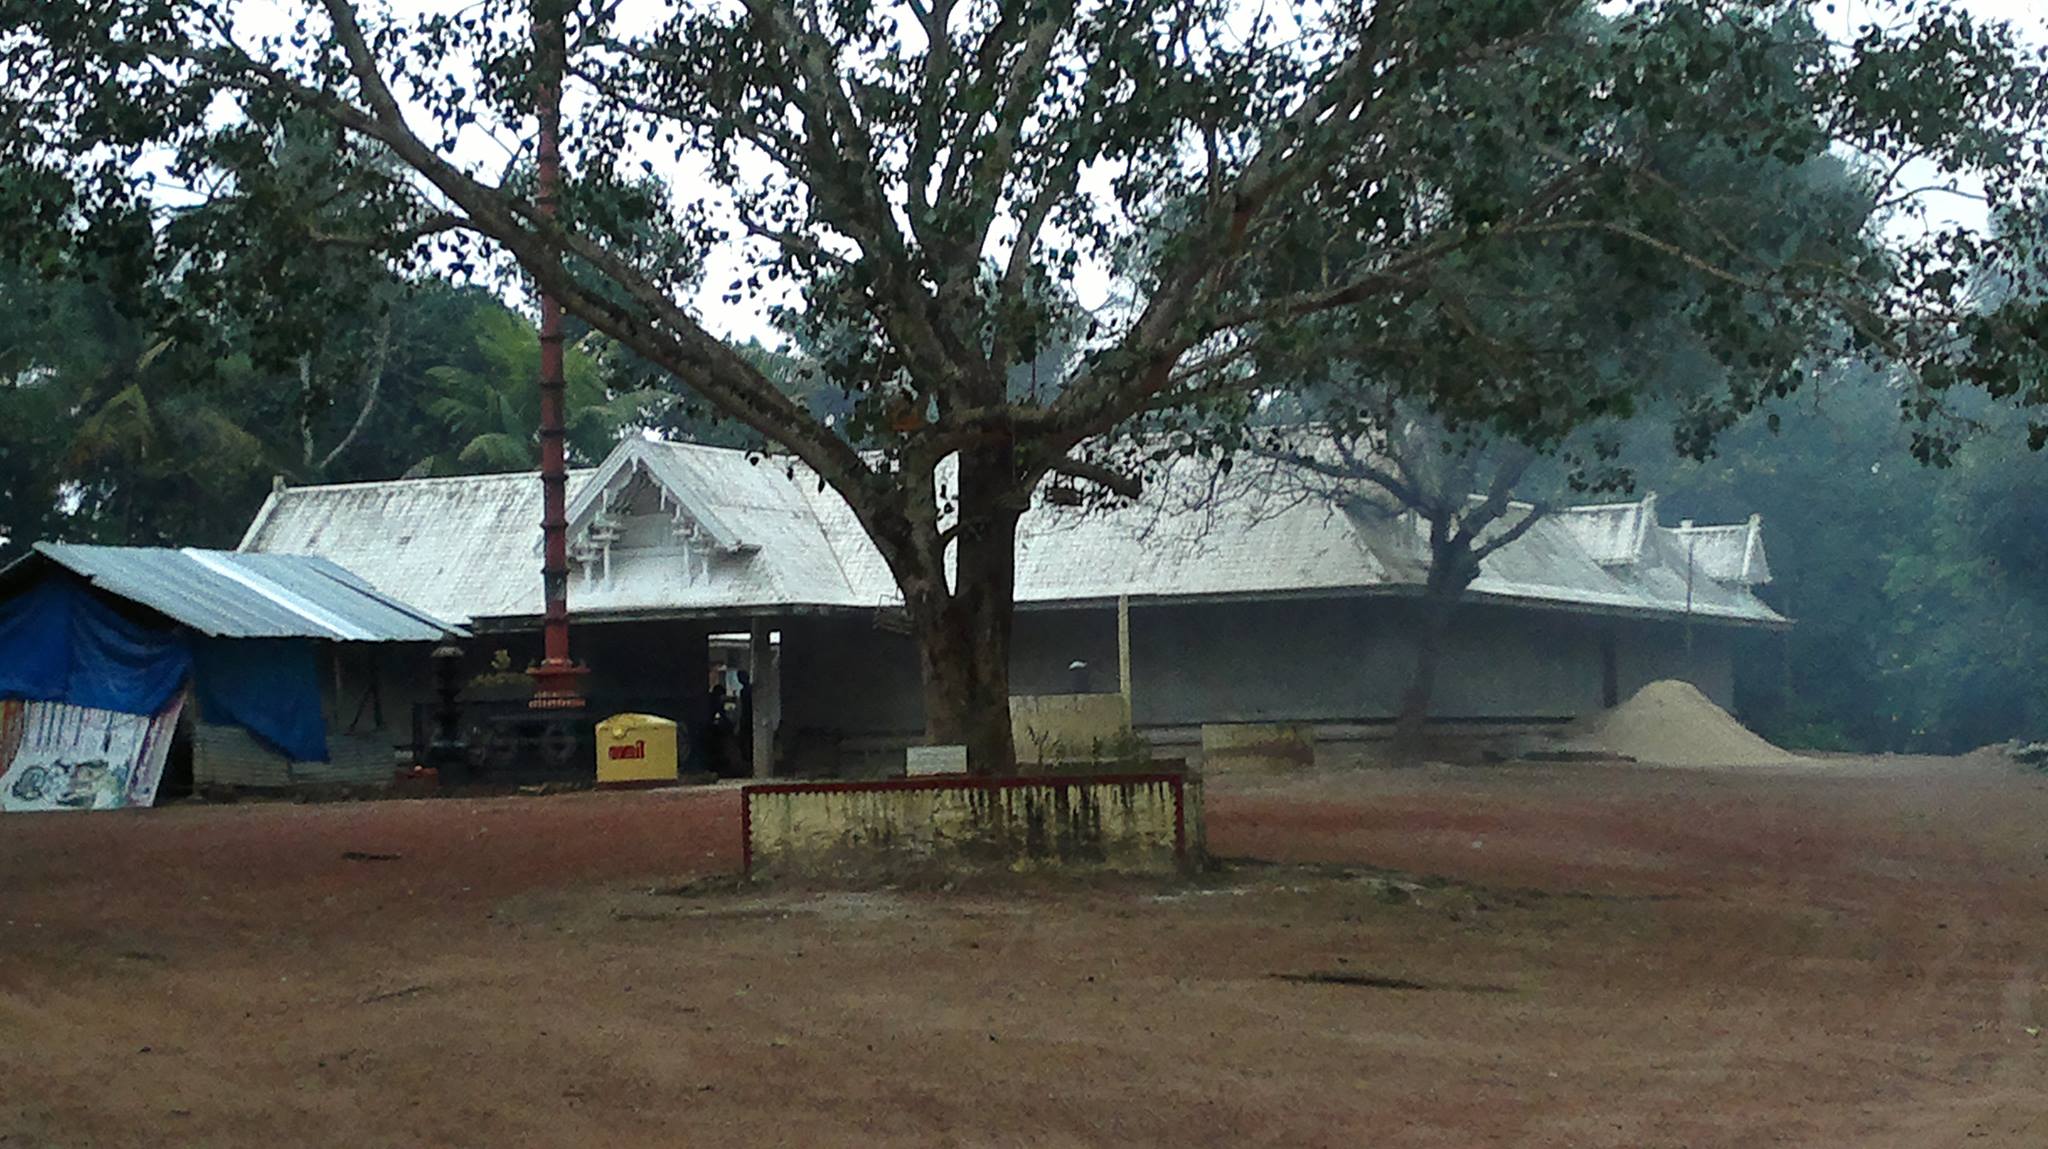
[
  {"x": 963, "y": 636},
  {"x": 1411, "y": 725},
  {"x": 1452, "y": 569}
]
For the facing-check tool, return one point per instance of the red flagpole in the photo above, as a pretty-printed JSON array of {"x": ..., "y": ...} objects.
[{"x": 557, "y": 679}]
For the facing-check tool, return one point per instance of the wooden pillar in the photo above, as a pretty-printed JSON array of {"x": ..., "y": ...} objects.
[
  {"x": 1610, "y": 667},
  {"x": 1123, "y": 649},
  {"x": 766, "y": 683}
]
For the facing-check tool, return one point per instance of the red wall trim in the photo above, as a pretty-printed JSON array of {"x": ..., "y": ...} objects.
[
  {"x": 962, "y": 782},
  {"x": 746, "y": 830}
]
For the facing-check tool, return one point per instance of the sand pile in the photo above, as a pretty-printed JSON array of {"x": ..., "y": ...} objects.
[{"x": 1670, "y": 723}]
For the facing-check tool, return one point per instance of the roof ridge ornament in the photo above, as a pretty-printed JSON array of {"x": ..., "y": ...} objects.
[{"x": 633, "y": 457}]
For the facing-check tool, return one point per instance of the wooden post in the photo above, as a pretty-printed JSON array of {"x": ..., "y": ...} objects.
[
  {"x": 1123, "y": 648},
  {"x": 765, "y": 681}
]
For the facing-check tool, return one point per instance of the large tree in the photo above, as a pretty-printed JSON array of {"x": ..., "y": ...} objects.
[{"x": 940, "y": 178}]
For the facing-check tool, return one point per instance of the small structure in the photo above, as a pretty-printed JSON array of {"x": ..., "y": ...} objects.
[
  {"x": 636, "y": 750},
  {"x": 264, "y": 668},
  {"x": 1257, "y": 745},
  {"x": 930, "y": 761}
]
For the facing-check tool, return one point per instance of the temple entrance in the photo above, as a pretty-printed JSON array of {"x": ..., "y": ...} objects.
[{"x": 743, "y": 702}]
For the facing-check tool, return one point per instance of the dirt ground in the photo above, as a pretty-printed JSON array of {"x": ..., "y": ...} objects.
[{"x": 1567, "y": 955}]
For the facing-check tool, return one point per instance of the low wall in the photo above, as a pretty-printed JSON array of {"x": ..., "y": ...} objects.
[
  {"x": 1048, "y": 728},
  {"x": 1126, "y": 823},
  {"x": 1258, "y": 745}
]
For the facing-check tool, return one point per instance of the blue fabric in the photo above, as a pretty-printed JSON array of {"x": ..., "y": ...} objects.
[
  {"x": 269, "y": 687},
  {"x": 59, "y": 643},
  {"x": 35, "y": 644}
]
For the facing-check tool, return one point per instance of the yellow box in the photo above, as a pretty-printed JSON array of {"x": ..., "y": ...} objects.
[{"x": 636, "y": 749}]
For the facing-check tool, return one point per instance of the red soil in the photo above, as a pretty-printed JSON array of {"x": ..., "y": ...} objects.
[{"x": 1612, "y": 957}]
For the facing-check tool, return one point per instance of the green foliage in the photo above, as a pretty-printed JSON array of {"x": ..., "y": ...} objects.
[
  {"x": 491, "y": 411},
  {"x": 1920, "y": 594},
  {"x": 120, "y": 432},
  {"x": 112, "y": 434},
  {"x": 1365, "y": 176}
]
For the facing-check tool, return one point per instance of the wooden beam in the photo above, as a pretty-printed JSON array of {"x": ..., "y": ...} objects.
[
  {"x": 1123, "y": 648},
  {"x": 765, "y": 684}
]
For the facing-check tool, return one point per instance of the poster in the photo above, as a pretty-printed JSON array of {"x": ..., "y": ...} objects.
[{"x": 63, "y": 757}]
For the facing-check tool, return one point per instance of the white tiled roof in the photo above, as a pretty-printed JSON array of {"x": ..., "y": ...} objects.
[
  {"x": 462, "y": 547},
  {"x": 1611, "y": 533},
  {"x": 1729, "y": 553},
  {"x": 767, "y": 545},
  {"x": 467, "y": 548}
]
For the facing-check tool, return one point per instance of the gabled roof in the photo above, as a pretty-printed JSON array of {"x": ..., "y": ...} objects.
[
  {"x": 224, "y": 594},
  {"x": 468, "y": 548},
  {"x": 1732, "y": 553},
  {"x": 690, "y": 475},
  {"x": 781, "y": 540},
  {"x": 1612, "y": 534},
  {"x": 766, "y": 547}
]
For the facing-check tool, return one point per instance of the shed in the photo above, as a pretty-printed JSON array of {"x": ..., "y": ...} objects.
[{"x": 111, "y": 655}]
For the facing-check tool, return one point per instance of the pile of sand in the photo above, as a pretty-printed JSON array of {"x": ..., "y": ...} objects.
[{"x": 1670, "y": 723}]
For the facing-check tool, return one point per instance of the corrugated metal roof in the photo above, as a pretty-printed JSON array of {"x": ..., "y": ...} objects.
[
  {"x": 465, "y": 549},
  {"x": 229, "y": 595}
]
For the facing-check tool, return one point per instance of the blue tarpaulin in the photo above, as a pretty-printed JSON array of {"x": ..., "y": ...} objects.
[
  {"x": 269, "y": 687},
  {"x": 58, "y": 643}
]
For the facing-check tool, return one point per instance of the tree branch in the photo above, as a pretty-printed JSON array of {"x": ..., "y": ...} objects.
[
  {"x": 665, "y": 334},
  {"x": 1486, "y": 549},
  {"x": 1114, "y": 481},
  {"x": 436, "y": 224},
  {"x": 373, "y": 384}
]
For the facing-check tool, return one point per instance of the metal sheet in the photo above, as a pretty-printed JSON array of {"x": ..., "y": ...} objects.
[{"x": 228, "y": 595}]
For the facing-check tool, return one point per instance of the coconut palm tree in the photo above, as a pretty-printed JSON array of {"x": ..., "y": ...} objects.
[{"x": 493, "y": 413}]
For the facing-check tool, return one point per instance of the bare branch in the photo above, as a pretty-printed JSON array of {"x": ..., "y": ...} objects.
[
  {"x": 1114, "y": 481},
  {"x": 373, "y": 383},
  {"x": 1350, "y": 469},
  {"x": 1521, "y": 526},
  {"x": 436, "y": 224}
]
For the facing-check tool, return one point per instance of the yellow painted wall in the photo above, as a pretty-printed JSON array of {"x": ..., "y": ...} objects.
[
  {"x": 1123, "y": 825},
  {"x": 1052, "y": 728}
]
